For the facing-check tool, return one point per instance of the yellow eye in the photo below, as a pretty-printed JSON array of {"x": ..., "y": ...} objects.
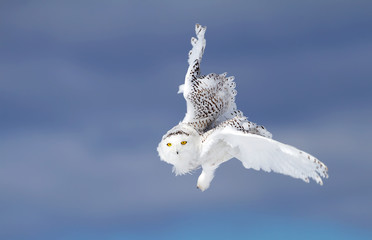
[
  {"x": 183, "y": 142},
  {"x": 169, "y": 144}
]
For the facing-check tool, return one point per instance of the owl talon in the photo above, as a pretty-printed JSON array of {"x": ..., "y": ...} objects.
[{"x": 202, "y": 188}]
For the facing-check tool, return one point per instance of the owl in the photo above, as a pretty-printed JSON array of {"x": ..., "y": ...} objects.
[{"x": 214, "y": 131}]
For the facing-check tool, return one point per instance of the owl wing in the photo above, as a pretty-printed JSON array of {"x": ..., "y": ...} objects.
[
  {"x": 258, "y": 152},
  {"x": 210, "y": 99}
]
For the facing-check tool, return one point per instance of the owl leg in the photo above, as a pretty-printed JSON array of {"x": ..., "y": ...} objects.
[{"x": 206, "y": 177}]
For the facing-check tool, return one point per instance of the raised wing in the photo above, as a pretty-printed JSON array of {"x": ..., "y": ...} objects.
[
  {"x": 195, "y": 57},
  {"x": 210, "y": 99},
  {"x": 261, "y": 153}
]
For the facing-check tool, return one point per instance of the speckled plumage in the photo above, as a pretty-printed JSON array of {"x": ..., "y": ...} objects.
[{"x": 214, "y": 130}]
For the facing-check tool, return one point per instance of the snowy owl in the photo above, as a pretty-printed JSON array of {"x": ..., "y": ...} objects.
[{"x": 215, "y": 131}]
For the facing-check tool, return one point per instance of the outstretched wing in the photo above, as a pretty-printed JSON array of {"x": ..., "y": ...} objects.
[
  {"x": 210, "y": 99},
  {"x": 259, "y": 152}
]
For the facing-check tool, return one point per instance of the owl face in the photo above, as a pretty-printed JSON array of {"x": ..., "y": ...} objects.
[{"x": 181, "y": 150}]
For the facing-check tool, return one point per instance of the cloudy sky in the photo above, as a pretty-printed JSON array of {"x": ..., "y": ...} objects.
[{"x": 87, "y": 89}]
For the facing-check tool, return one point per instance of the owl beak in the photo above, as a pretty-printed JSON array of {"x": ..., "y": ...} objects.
[{"x": 177, "y": 152}]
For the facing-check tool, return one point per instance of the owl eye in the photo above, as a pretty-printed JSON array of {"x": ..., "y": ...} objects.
[
  {"x": 183, "y": 142},
  {"x": 169, "y": 144}
]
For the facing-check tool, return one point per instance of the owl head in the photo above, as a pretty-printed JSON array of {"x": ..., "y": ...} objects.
[{"x": 180, "y": 147}]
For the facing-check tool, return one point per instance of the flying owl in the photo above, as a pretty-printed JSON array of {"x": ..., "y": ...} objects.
[{"x": 215, "y": 131}]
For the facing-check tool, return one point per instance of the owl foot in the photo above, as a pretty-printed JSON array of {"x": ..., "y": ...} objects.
[
  {"x": 202, "y": 187},
  {"x": 205, "y": 178}
]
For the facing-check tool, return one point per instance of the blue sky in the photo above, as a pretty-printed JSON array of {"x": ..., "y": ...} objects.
[{"x": 87, "y": 89}]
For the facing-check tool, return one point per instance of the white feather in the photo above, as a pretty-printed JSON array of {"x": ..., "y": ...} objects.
[
  {"x": 198, "y": 45},
  {"x": 260, "y": 153},
  {"x": 180, "y": 88}
]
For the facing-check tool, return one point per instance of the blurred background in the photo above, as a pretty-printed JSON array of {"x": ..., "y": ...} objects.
[{"x": 88, "y": 88}]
